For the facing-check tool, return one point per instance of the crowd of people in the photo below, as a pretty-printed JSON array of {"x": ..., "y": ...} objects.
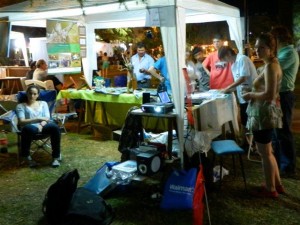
[
  {"x": 265, "y": 95},
  {"x": 266, "y": 99}
]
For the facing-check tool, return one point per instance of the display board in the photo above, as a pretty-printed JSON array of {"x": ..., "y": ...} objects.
[{"x": 63, "y": 47}]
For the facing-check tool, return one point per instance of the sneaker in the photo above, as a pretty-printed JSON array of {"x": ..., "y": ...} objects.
[
  {"x": 29, "y": 161},
  {"x": 55, "y": 163}
]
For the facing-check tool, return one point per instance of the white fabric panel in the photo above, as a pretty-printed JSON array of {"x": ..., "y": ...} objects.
[
  {"x": 91, "y": 53},
  {"x": 174, "y": 46},
  {"x": 209, "y": 6},
  {"x": 38, "y": 48},
  {"x": 235, "y": 31}
]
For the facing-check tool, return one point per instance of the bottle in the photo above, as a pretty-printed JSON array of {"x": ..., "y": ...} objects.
[
  {"x": 134, "y": 82},
  {"x": 3, "y": 142}
]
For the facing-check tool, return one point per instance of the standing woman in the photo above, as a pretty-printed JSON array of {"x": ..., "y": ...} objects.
[
  {"x": 264, "y": 112},
  {"x": 34, "y": 118}
]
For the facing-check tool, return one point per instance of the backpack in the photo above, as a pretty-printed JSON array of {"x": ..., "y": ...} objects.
[
  {"x": 58, "y": 197},
  {"x": 131, "y": 135},
  {"x": 88, "y": 208}
]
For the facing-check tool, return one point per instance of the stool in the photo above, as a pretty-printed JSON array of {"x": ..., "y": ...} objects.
[{"x": 222, "y": 148}]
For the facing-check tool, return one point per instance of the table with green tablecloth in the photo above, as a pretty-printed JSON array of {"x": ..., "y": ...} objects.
[{"x": 106, "y": 109}]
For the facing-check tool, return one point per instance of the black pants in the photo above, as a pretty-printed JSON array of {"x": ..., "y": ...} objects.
[
  {"x": 29, "y": 131},
  {"x": 285, "y": 150}
]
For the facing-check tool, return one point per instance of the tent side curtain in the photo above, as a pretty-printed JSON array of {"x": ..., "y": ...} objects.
[
  {"x": 173, "y": 30},
  {"x": 235, "y": 32}
]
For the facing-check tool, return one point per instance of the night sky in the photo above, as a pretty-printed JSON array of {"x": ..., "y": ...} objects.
[{"x": 255, "y": 7}]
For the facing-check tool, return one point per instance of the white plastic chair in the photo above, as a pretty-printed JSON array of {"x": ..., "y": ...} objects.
[{"x": 47, "y": 84}]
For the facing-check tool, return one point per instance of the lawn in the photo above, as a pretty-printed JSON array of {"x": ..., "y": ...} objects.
[{"x": 22, "y": 190}]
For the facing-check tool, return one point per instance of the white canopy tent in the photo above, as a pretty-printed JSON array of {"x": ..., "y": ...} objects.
[{"x": 171, "y": 15}]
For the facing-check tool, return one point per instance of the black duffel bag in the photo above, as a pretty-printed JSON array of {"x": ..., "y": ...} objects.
[{"x": 88, "y": 208}]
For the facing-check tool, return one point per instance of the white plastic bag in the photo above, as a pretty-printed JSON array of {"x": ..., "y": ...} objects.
[{"x": 216, "y": 171}]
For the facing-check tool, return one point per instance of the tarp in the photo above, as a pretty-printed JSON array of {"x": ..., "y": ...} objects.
[{"x": 172, "y": 15}]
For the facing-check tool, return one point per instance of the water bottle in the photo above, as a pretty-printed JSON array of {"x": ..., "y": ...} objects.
[{"x": 3, "y": 142}]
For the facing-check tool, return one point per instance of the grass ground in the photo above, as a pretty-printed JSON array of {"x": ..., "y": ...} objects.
[{"x": 22, "y": 190}]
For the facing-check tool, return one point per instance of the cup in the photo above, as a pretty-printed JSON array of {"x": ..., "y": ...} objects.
[{"x": 107, "y": 82}]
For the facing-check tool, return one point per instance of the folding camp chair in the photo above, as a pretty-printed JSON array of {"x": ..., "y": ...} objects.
[{"x": 40, "y": 141}]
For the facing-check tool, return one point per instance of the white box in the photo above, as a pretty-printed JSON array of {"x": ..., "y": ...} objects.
[{"x": 129, "y": 166}]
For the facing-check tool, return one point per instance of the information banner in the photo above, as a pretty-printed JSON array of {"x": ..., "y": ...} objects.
[{"x": 63, "y": 47}]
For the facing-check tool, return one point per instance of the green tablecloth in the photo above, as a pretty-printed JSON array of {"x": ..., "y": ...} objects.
[
  {"x": 116, "y": 106},
  {"x": 90, "y": 95}
]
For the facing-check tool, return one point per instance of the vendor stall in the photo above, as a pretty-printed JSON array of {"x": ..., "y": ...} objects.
[{"x": 171, "y": 16}]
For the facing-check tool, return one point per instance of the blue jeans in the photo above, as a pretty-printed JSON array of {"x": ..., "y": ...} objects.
[
  {"x": 285, "y": 151},
  {"x": 29, "y": 131}
]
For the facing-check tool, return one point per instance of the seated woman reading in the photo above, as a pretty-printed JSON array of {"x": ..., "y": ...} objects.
[{"x": 34, "y": 117}]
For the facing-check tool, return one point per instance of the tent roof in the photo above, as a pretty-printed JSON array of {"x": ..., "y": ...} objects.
[{"x": 44, "y": 9}]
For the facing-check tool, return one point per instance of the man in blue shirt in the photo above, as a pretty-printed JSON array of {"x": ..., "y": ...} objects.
[
  {"x": 161, "y": 65},
  {"x": 141, "y": 62}
]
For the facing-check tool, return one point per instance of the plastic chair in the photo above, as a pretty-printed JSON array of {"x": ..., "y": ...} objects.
[
  {"x": 46, "y": 85},
  {"x": 228, "y": 147},
  {"x": 22, "y": 80}
]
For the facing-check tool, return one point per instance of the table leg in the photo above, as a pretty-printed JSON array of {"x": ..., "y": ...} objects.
[
  {"x": 104, "y": 116},
  {"x": 13, "y": 86},
  {"x": 170, "y": 137},
  {"x": 2, "y": 88},
  {"x": 81, "y": 115}
]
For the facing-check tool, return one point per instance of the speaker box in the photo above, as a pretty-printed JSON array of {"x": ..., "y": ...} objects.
[
  {"x": 148, "y": 163},
  {"x": 146, "y": 97}
]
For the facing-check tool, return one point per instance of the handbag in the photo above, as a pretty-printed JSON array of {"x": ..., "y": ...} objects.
[{"x": 179, "y": 190}]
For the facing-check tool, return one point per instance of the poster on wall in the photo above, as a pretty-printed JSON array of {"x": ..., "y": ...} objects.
[{"x": 63, "y": 47}]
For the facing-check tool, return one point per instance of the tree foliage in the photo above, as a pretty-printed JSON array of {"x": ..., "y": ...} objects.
[{"x": 151, "y": 36}]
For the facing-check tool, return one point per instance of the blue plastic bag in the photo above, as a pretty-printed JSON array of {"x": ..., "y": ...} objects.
[
  {"x": 179, "y": 190},
  {"x": 101, "y": 182}
]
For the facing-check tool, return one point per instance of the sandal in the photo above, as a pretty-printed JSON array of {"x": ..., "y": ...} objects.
[
  {"x": 264, "y": 193},
  {"x": 279, "y": 188}
]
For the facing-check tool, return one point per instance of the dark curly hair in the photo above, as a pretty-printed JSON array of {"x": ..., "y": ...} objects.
[{"x": 282, "y": 34}]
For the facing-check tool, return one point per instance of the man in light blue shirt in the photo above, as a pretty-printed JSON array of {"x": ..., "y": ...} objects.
[
  {"x": 141, "y": 62},
  {"x": 161, "y": 65}
]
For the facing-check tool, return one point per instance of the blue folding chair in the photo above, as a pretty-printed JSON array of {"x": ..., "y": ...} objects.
[{"x": 40, "y": 141}]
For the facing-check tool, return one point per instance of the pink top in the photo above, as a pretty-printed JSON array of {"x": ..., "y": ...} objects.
[{"x": 220, "y": 72}]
